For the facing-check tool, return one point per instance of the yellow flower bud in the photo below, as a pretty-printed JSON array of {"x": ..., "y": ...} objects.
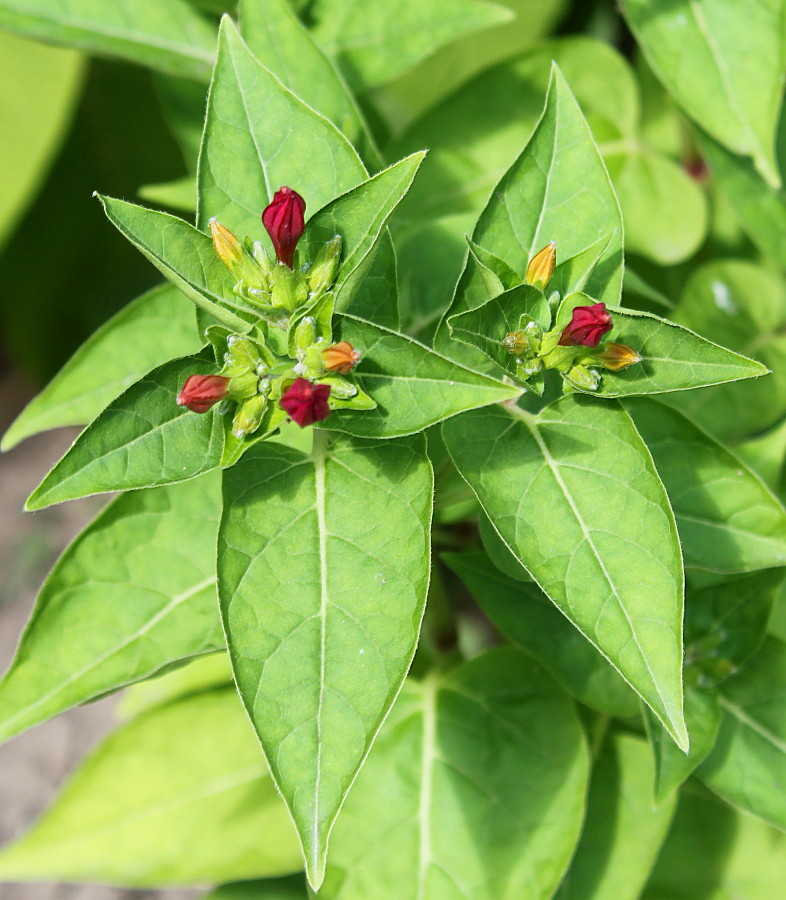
[
  {"x": 541, "y": 266},
  {"x": 227, "y": 246},
  {"x": 617, "y": 357}
]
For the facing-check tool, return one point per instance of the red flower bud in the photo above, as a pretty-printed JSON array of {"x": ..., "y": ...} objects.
[
  {"x": 284, "y": 222},
  {"x": 306, "y": 402},
  {"x": 587, "y": 326},
  {"x": 201, "y": 392}
]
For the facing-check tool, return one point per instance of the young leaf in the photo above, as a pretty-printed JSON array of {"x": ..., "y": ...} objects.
[
  {"x": 747, "y": 767},
  {"x": 695, "y": 50},
  {"x": 142, "y": 439},
  {"x": 372, "y": 44},
  {"x": 474, "y": 789},
  {"x": 279, "y": 40},
  {"x": 574, "y": 494},
  {"x": 112, "y": 359},
  {"x": 558, "y": 170},
  {"x": 169, "y": 36},
  {"x": 728, "y": 519},
  {"x": 179, "y": 796},
  {"x": 182, "y": 254},
  {"x": 528, "y": 619},
  {"x": 623, "y": 832},
  {"x": 133, "y": 594},
  {"x": 413, "y": 386},
  {"x": 341, "y": 600}
]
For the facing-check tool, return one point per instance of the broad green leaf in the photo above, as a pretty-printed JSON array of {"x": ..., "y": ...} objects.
[
  {"x": 142, "y": 439},
  {"x": 765, "y": 454},
  {"x": 574, "y": 494},
  {"x": 558, "y": 170},
  {"x": 341, "y": 601},
  {"x": 133, "y": 594},
  {"x": 182, "y": 254},
  {"x": 747, "y": 767},
  {"x": 359, "y": 216},
  {"x": 623, "y": 832},
  {"x": 179, "y": 796},
  {"x": 474, "y": 790},
  {"x": 413, "y": 386},
  {"x": 112, "y": 359},
  {"x": 673, "y": 358},
  {"x": 35, "y": 108},
  {"x": 759, "y": 208},
  {"x": 373, "y": 43},
  {"x": 727, "y": 518},
  {"x": 741, "y": 306},
  {"x": 526, "y": 617},
  {"x": 498, "y": 551},
  {"x": 715, "y": 853},
  {"x": 694, "y": 48},
  {"x": 672, "y": 766},
  {"x": 168, "y": 35},
  {"x": 279, "y": 40},
  {"x": 291, "y": 888}
]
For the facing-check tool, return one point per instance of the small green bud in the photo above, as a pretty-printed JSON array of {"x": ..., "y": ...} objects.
[
  {"x": 262, "y": 259},
  {"x": 324, "y": 269},
  {"x": 249, "y": 416},
  {"x": 242, "y": 352},
  {"x": 340, "y": 388},
  {"x": 244, "y": 385},
  {"x": 582, "y": 378},
  {"x": 305, "y": 333},
  {"x": 289, "y": 288},
  {"x": 516, "y": 343}
]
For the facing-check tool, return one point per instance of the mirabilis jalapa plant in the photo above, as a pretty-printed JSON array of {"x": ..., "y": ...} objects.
[{"x": 466, "y": 773}]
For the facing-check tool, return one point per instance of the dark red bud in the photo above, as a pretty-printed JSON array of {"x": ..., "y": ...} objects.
[
  {"x": 587, "y": 326},
  {"x": 201, "y": 392},
  {"x": 284, "y": 221},
  {"x": 306, "y": 402}
]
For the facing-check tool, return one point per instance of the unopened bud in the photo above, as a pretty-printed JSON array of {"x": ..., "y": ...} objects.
[
  {"x": 201, "y": 392},
  {"x": 341, "y": 357},
  {"x": 305, "y": 333},
  {"x": 242, "y": 352},
  {"x": 617, "y": 357},
  {"x": 516, "y": 343},
  {"x": 324, "y": 269},
  {"x": 587, "y": 326},
  {"x": 583, "y": 378},
  {"x": 249, "y": 416},
  {"x": 305, "y": 402},
  {"x": 289, "y": 289},
  {"x": 284, "y": 221},
  {"x": 541, "y": 266},
  {"x": 226, "y": 245}
]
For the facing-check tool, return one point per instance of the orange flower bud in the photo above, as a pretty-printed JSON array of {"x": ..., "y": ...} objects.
[
  {"x": 227, "y": 246},
  {"x": 541, "y": 266},
  {"x": 617, "y": 357},
  {"x": 341, "y": 357}
]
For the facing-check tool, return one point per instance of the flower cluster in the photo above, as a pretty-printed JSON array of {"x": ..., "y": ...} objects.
[
  {"x": 286, "y": 363},
  {"x": 575, "y": 347}
]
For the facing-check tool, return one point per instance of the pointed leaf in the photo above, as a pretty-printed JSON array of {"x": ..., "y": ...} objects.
[
  {"x": 574, "y": 494},
  {"x": 474, "y": 789},
  {"x": 142, "y": 439},
  {"x": 341, "y": 601},
  {"x": 413, "y": 386},
  {"x": 133, "y": 594},
  {"x": 169, "y": 36},
  {"x": 695, "y": 50},
  {"x": 179, "y": 796},
  {"x": 728, "y": 519},
  {"x": 112, "y": 359},
  {"x": 623, "y": 832},
  {"x": 528, "y": 619}
]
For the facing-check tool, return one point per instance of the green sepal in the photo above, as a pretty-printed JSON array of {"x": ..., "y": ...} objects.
[
  {"x": 324, "y": 269},
  {"x": 289, "y": 289},
  {"x": 322, "y": 313}
]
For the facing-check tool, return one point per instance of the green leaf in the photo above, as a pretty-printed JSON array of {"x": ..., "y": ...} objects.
[
  {"x": 169, "y": 36},
  {"x": 695, "y": 50},
  {"x": 742, "y": 306},
  {"x": 179, "y": 796},
  {"x": 747, "y": 767},
  {"x": 559, "y": 169},
  {"x": 714, "y": 853},
  {"x": 292, "y": 888},
  {"x": 277, "y": 38},
  {"x": 474, "y": 789},
  {"x": 372, "y": 44},
  {"x": 182, "y": 254},
  {"x": 728, "y": 519},
  {"x": 134, "y": 593},
  {"x": 35, "y": 107},
  {"x": 112, "y": 359},
  {"x": 413, "y": 386},
  {"x": 672, "y": 766},
  {"x": 623, "y": 832},
  {"x": 142, "y": 439},
  {"x": 528, "y": 619},
  {"x": 341, "y": 602},
  {"x": 574, "y": 494}
]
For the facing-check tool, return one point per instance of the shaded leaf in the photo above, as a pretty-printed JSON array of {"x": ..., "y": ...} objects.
[{"x": 291, "y": 888}]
